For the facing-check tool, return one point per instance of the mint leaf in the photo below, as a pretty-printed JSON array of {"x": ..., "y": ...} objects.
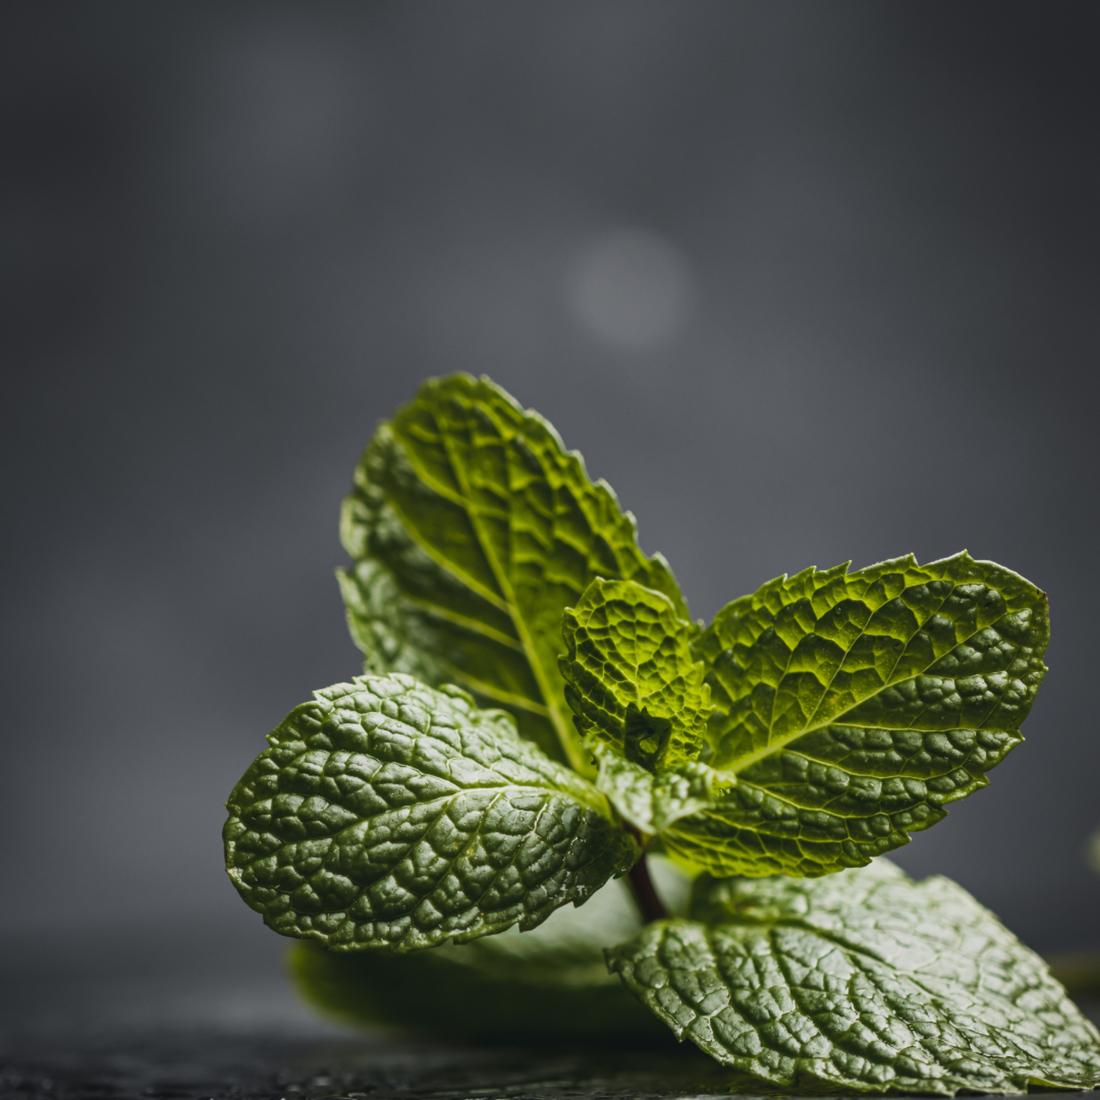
[
  {"x": 865, "y": 980},
  {"x": 549, "y": 983},
  {"x": 630, "y": 677},
  {"x": 472, "y": 529},
  {"x": 651, "y": 803},
  {"x": 852, "y": 707},
  {"x": 1092, "y": 853},
  {"x": 386, "y": 815},
  {"x": 639, "y": 701}
]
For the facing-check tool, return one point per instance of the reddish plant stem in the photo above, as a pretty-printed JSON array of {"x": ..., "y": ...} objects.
[{"x": 649, "y": 902}]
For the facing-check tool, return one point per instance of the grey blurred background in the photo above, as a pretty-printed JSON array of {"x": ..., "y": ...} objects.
[{"x": 804, "y": 281}]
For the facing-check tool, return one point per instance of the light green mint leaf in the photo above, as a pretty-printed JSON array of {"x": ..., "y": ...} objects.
[
  {"x": 471, "y": 529},
  {"x": 651, "y": 803},
  {"x": 852, "y": 707},
  {"x": 389, "y": 816},
  {"x": 1093, "y": 852},
  {"x": 549, "y": 983},
  {"x": 862, "y": 980},
  {"x": 630, "y": 676}
]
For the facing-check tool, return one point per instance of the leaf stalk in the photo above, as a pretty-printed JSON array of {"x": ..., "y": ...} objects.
[{"x": 645, "y": 893}]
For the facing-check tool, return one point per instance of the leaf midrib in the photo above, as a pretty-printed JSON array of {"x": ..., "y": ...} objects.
[
  {"x": 837, "y": 719},
  {"x": 441, "y": 801},
  {"x": 859, "y": 957},
  {"x": 509, "y": 603},
  {"x": 809, "y": 727},
  {"x": 803, "y": 925}
]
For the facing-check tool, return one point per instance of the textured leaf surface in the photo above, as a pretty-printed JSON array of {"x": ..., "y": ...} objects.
[
  {"x": 852, "y": 707},
  {"x": 386, "y": 815},
  {"x": 863, "y": 979},
  {"x": 549, "y": 983},
  {"x": 630, "y": 677},
  {"x": 472, "y": 529},
  {"x": 651, "y": 803}
]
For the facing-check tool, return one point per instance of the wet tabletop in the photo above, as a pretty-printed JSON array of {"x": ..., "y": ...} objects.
[{"x": 206, "y": 1014}]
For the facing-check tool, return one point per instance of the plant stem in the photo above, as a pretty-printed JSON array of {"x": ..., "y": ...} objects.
[{"x": 645, "y": 894}]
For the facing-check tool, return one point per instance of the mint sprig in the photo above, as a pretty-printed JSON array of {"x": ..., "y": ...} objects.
[{"x": 811, "y": 727}]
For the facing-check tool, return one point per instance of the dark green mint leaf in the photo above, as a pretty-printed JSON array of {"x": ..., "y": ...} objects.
[
  {"x": 651, "y": 803},
  {"x": 548, "y": 983},
  {"x": 472, "y": 529},
  {"x": 387, "y": 815},
  {"x": 630, "y": 676},
  {"x": 852, "y": 707},
  {"x": 863, "y": 980}
]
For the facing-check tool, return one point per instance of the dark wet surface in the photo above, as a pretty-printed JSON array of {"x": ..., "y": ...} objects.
[
  {"x": 205, "y": 1014},
  {"x": 211, "y": 1066}
]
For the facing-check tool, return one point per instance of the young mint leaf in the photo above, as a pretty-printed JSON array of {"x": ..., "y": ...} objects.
[
  {"x": 630, "y": 676},
  {"x": 471, "y": 529},
  {"x": 651, "y": 803},
  {"x": 549, "y": 983},
  {"x": 386, "y": 815},
  {"x": 864, "y": 980},
  {"x": 852, "y": 707}
]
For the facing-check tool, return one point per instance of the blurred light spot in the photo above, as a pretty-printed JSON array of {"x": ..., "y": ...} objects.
[{"x": 631, "y": 288}]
